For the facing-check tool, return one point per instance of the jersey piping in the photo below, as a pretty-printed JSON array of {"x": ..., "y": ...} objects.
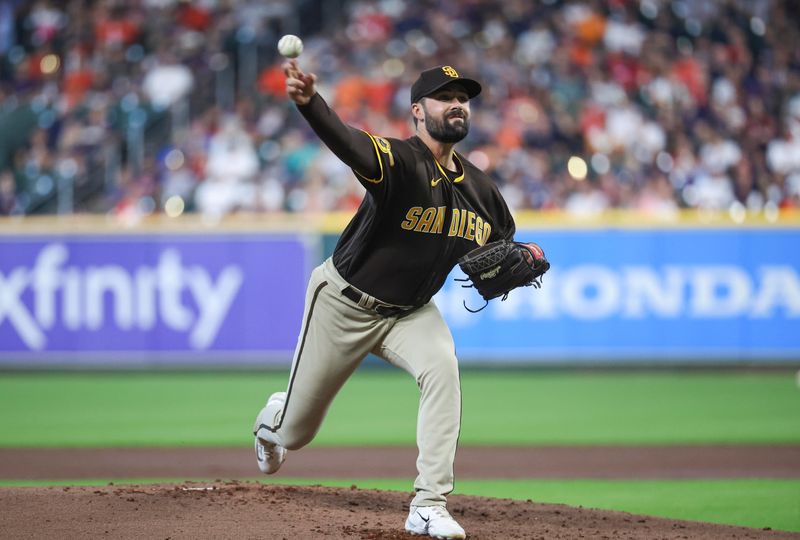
[
  {"x": 297, "y": 363},
  {"x": 455, "y": 180},
  {"x": 380, "y": 162}
]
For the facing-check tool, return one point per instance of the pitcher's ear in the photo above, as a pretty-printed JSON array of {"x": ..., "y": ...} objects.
[{"x": 417, "y": 112}]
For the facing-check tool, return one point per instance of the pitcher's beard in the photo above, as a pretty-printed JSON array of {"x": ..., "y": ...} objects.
[{"x": 444, "y": 131}]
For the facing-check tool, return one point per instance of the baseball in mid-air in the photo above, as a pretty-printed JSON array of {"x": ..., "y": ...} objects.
[{"x": 290, "y": 46}]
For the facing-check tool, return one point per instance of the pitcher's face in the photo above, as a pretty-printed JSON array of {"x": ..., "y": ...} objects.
[{"x": 446, "y": 114}]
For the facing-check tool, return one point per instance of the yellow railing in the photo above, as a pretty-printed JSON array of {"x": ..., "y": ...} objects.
[
  {"x": 335, "y": 222},
  {"x": 633, "y": 219}
]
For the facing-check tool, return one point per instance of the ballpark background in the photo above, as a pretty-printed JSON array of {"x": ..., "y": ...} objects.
[{"x": 162, "y": 205}]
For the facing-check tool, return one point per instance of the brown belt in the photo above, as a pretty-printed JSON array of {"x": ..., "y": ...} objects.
[{"x": 384, "y": 310}]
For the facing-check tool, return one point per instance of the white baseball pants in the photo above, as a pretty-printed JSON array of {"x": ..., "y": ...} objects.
[{"x": 335, "y": 337}]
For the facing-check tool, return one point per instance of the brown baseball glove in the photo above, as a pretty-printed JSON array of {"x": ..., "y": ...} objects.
[{"x": 497, "y": 268}]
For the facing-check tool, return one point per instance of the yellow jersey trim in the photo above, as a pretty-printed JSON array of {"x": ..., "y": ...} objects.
[
  {"x": 380, "y": 162},
  {"x": 457, "y": 179}
]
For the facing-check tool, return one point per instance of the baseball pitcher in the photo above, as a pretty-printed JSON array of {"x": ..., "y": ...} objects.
[{"x": 426, "y": 209}]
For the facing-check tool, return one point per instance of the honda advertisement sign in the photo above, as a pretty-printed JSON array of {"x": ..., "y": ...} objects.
[{"x": 707, "y": 295}]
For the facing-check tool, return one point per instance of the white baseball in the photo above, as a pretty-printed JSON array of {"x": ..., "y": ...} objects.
[{"x": 290, "y": 46}]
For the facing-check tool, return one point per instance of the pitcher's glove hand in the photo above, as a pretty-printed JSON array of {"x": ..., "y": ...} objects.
[{"x": 496, "y": 268}]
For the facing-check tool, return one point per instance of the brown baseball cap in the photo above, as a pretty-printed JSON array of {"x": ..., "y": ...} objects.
[{"x": 433, "y": 79}]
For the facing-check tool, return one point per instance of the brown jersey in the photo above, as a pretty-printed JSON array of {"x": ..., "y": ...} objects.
[{"x": 417, "y": 218}]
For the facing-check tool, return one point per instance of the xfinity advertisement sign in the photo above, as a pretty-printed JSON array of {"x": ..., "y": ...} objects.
[
  {"x": 137, "y": 300},
  {"x": 621, "y": 296},
  {"x": 611, "y": 296},
  {"x": 126, "y": 298}
]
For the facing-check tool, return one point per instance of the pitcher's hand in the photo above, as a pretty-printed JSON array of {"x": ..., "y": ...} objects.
[{"x": 300, "y": 86}]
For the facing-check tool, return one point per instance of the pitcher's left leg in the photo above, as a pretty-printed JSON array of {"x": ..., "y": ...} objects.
[{"x": 421, "y": 344}]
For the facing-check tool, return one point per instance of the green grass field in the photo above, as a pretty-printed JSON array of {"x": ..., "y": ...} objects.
[{"x": 378, "y": 407}]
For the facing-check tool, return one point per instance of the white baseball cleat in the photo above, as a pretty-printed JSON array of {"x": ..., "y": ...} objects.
[
  {"x": 434, "y": 521},
  {"x": 269, "y": 456}
]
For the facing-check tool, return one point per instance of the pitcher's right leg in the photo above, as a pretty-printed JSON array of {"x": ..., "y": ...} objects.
[{"x": 334, "y": 338}]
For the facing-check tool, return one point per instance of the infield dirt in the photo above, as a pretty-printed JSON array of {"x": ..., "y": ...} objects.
[{"x": 247, "y": 509}]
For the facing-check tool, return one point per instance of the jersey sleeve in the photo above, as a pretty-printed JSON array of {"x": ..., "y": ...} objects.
[
  {"x": 505, "y": 228},
  {"x": 356, "y": 148},
  {"x": 389, "y": 156}
]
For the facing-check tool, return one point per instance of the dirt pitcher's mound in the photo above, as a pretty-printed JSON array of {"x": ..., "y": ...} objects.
[{"x": 251, "y": 510}]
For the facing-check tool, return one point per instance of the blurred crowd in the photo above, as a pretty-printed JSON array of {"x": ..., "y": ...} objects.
[{"x": 143, "y": 106}]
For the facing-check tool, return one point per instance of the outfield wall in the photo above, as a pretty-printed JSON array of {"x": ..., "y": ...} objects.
[{"x": 188, "y": 292}]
